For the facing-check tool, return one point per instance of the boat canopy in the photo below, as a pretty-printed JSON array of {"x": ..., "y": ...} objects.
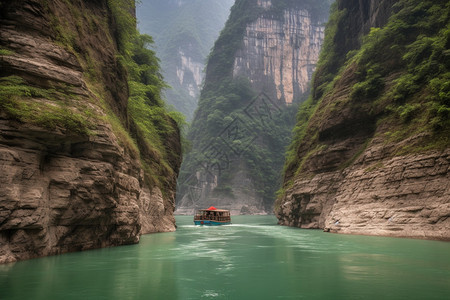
[{"x": 212, "y": 209}]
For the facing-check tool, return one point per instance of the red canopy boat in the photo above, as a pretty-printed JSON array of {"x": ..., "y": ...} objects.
[{"x": 212, "y": 216}]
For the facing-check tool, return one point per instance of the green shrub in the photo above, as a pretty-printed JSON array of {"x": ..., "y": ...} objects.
[{"x": 6, "y": 52}]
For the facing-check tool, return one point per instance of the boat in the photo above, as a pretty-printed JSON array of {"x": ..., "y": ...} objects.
[{"x": 212, "y": 216}]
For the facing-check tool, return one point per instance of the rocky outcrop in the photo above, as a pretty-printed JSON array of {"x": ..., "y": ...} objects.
[
  {"x": 349, "y": 174},
  {"x": 63, "y": 189}
]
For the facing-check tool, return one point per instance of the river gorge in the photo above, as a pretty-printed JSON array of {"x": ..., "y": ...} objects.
[{"x": 321, "y": 126}]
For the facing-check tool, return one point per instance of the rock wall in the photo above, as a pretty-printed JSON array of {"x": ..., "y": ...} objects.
[
  {"x": 348, "y": 176},
  {"x": 404, "y": 196},
  {"x": 62, "y": 191},
  {"x": 189, "y": 74},
  {"x": 279, "y": 55}
]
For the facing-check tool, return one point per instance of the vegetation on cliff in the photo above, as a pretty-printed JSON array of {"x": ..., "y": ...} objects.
[
  {"x": 398, "y": 76},
  {"x": 153, "y": 125},
  {"x": 132, "y": 104},
  {"x": 16, "y": 101}
]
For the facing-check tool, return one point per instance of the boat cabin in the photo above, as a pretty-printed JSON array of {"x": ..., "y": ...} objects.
[{"x": 212, "y": 216}]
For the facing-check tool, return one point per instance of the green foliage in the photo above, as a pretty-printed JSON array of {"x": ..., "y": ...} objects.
[
  {"x": 331, "y": 57},
  {"x": 220, "y": 60},
  {"x": 224, "y": 99},
  {"x": 173, "y": 26},
  {"x": 408, "y": 111},
  {"x": 148, "y": 133},
  {"x": 261, "y": 148},
  {"x": 125, "y": 24},
  {"x": 16, "y": 101},
  {"x": 146, "y": 108},
  {"x": 371, "y": 84},
  {"x": 304, "y": 113},
  {"x": 6, "y": 52}
]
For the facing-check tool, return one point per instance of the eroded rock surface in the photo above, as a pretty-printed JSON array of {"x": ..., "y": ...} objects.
[{"x": 406, "y": 196}]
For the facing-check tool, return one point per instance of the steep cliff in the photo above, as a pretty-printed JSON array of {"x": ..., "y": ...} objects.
[
  {"x": 184, "y": 32},
  {"x": 257, "y": 73},
  {"x": 279, "y": 55},
  {"x": 371, "y": 151},
  {"x": 78, "y": 170}
]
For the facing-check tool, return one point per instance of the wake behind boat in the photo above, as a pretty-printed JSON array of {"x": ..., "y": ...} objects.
[{"x": 212, "y": 216}]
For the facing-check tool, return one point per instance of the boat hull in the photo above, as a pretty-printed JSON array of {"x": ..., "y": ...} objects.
[{"x": 210, "y": 223}]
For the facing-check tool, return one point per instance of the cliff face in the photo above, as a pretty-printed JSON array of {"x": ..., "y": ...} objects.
[
  {"x": 184, "y": 31},
  {"x": 260, "y": 65},
  {"x": 279, "y": 55},
  {"x": 69, "y": 181},
  {"x": 363, "y": 161}
]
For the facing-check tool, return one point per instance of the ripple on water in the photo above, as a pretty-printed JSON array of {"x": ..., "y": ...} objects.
[{"x": 210, "y": 294}]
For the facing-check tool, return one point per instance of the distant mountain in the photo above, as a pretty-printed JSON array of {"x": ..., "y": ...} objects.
[
  {"x": 184, "y": 31},
  {"x": 257, "y": 74}
]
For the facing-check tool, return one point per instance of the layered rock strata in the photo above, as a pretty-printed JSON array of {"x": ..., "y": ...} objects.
[
  {"x": 62, "y": 190},
  {"x": 404, "y": 196}
]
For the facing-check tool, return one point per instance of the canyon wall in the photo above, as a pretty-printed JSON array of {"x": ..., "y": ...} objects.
[
  {"x": 71, "y": 178},
  {"x": 258, "y": 71},
  {"x": 363, "y": 161},
  {"x": 279, "y": 55}
]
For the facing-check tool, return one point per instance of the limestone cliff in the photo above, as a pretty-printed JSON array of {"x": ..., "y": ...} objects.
[
  {"x": 279, "y": 55},
  {"x": 71, "y": 176},
  {"x": 372, "y": 153},
  {"x": 258, "y": 71}
]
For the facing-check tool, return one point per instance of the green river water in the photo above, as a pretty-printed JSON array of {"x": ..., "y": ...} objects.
[{"x": 252, "y": 259}]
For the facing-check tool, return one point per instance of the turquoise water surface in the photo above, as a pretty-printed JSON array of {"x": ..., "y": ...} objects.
[{"x": 252, "y": 259}]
